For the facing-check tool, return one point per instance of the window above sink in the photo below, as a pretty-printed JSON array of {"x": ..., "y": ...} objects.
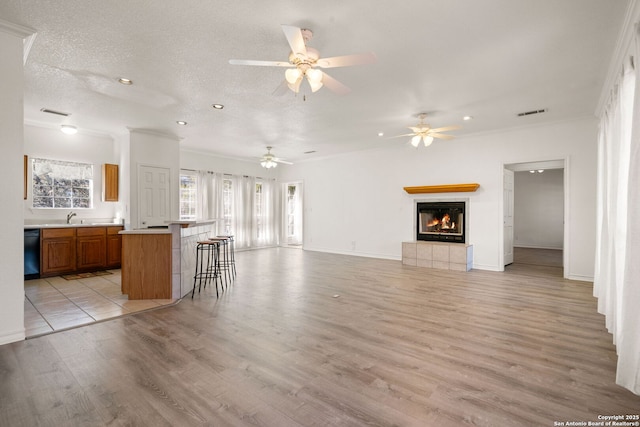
[{"x": 60, "y": 184}]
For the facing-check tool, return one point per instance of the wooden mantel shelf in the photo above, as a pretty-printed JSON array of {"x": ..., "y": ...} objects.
[{"x": 446, "y": 188}]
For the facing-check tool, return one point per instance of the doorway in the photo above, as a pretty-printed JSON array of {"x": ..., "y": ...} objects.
[
  {"x": 292, "y": 218},
  {"x": 535, "y": 204}
]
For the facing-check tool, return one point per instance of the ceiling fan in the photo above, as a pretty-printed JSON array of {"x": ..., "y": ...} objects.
[
  {"x": 269, "y": 161},
  {"x": 303, "y": 61},
  {"x": 425, "y": 133}
]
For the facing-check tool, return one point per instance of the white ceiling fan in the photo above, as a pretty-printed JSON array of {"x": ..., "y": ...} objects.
[
  {"x": 303, "y": 61},
  {"x": 425, "y": 133},
  {"x": 268, "y": 160}
]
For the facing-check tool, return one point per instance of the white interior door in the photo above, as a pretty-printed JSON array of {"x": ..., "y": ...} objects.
[
  {"x": 154, "y": 196},
  {"x": 508, "y": 179}
]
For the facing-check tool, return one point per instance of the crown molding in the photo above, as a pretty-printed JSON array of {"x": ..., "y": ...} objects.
[
  {"x": 28, "y": 35},
  {"x": 621, "y": 50}
]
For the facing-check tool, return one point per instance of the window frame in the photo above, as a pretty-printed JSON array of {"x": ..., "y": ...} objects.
[{"x": 60, "y": 183}]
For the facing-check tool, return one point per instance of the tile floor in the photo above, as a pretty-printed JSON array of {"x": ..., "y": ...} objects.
[{"x": 54, "y": 303}]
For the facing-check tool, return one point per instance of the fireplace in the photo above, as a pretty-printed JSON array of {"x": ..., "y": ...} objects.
[{"x": 441, "y": 221}]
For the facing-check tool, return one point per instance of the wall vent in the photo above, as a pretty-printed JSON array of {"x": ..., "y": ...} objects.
[
  {"x": 59, "y": 113},
  {"x": 529, "y": 113}
]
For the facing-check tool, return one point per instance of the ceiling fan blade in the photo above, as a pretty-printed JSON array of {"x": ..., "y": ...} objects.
[
  {"x": 295, "y": 39},
  {"x": 445, "y": 129},
  {"x": 419, "y": 128},
  {"x": 281, "y": 89},
  {"x": 282, "y": 161},
  {"x": 259, "y": 63},
  {"x": 404, "y": 135},
  {"x": 441, "y": 135},
  {"x": 333, "y": 85},
  {"x": 347, "y": 60}
]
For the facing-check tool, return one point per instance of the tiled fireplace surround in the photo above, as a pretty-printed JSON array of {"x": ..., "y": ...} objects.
[{"x": 446, "y": 256}]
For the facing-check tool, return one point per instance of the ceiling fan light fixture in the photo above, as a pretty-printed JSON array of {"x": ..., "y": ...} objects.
[
  {"x": 268, "y": 163},
  {"x": 315, "y": 86},
  {"x": 415, "y": 141},
  {"x": 292, "y": 75},
  {"x": 314, "y": 75},
  {"x": 427, "y": 140}
]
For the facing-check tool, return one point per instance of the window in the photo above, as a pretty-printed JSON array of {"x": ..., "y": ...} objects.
[
  {"x": 259, "y": 209},
  {"x": 57, "y": 184},
  {"x": 188, "y": 196},
  {"x": 227, "y": 205}
]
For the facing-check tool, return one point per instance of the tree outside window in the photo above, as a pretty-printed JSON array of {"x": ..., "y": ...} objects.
[{"x": 58, "y": 184}]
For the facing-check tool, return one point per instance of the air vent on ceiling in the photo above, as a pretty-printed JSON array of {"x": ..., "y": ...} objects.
[
  {"x": 310, "y": 152},
  {"x": 59, "y": 113},
  {"x": 529, "y": 113}
]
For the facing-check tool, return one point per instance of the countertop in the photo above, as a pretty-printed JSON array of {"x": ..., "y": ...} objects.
[{"x": 89, "y": 224}]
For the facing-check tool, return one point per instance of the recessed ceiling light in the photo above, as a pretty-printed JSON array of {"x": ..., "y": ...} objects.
[
  {"x": 380, "y": 133},
  {"x": 125, "y": 81},
  {"x": 68, "y": 129},
  {"x": 181, "y": 122},
  {"x": 217, "y": 106},
  {"x": 467, "y": 118}
]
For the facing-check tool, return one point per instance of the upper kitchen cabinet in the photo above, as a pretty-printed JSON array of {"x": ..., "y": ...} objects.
[{"x": 109, "y": 182}]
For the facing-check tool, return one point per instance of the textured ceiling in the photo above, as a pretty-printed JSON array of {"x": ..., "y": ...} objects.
[{"x": 490, "y": 59}]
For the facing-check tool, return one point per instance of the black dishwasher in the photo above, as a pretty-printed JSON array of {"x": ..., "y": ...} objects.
[{"x": 32, "y": 253}]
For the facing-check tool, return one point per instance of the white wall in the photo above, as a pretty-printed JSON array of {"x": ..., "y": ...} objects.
[
  {"x": 48, "y": 143},
  {"x": 356, "y": 203},
  {"x": 11, "y": 193},
  {"x": 539, "y": 209}
]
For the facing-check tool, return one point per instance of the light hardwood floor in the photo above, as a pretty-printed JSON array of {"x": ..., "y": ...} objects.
[{"x": 315, "y": 339}]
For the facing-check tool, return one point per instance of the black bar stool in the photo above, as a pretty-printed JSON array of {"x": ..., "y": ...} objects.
[
  {"x": 209, "y": 250},
  {"x": 232, "y": 254},
  {"x": 224, "y": 263}
]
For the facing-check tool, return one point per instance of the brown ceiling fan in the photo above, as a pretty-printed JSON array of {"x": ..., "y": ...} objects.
[{"x": 304, "y": 62}]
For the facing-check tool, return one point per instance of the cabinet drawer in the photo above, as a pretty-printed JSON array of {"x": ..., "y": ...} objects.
[
  {"x": 91, "y": 231},
  {"x": 51, "y": 233},
  {"x": 114, "y": 230}
]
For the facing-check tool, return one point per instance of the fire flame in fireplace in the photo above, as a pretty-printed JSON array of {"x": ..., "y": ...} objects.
[{"x": 444, "y": 223}]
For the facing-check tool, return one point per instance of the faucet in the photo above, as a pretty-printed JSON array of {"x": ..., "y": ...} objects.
[{"x": 69, "y": 216}]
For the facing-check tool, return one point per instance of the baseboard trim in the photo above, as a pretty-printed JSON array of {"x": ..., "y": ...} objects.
[
  {"x": 14, "y": 336},
  {"x": 580, "y": 278},
  {"x": 536, "y": 247},
  {"x": 360, "y": 254}
]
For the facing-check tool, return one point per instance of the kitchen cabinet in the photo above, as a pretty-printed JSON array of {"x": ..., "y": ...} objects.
[
  {"x": 79, "y": 249},
  {"x": 109, "y": 183},
  {"x": 114, "y": 247},
  {"x": 91, "y": 248},
  {"x": 57, "y": 251},
  {"x": 146, "y": 265}
]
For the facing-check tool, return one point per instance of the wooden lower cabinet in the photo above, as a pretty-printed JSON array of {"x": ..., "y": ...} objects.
[
  {"x": 146, "y": 266},
  {"x": 79, "y": 249},
  {"x": 114, "y": 247},
  {"x": 57, "y": 251},
  {"x": 91, "y": 248}
]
